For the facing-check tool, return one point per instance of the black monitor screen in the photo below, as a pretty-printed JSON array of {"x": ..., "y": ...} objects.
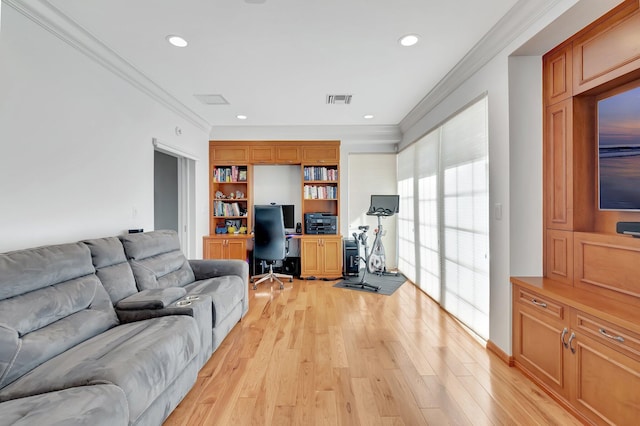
[
  {"x": 385, "y": 205},
  {"x": 288, "y": 212}
]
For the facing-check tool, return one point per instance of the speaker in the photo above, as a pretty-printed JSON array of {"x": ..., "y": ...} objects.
[
  {"x": 299, "y": 228},
  {"x": 350, "y": 262},
  {"x": 291, "y": 266},
  {"x": 629, "y": 228}
]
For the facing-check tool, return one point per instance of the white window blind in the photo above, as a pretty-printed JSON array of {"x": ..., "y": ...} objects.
[
  {"x": 464, "y": 146},
  {"x": 428, "y": 231},
  {"x": 406, "y": 231},
  {"x": 446, "y": 172}
]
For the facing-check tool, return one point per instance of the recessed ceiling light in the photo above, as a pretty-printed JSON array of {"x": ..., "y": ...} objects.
[
  {"x": 408, "y": 40},
  {"x": 177, "y": 41},
  {"x": 367, "y": 116},
  {"x": 241, "y": 117}
]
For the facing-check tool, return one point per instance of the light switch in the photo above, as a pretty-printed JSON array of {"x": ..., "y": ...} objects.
[{"x": 498, "y": 211}]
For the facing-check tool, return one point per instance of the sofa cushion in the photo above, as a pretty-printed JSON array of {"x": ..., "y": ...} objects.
[
  {"x": 141, "y": 358},
  {"x": 226, "y": 292},
  {"x": 112, "y": 268},
  {"x": 100, "y": 405},
  {"x": 156, "y": 260},
  {"x": 157, "y": 298},
  {"x": 50, "y": 301}
]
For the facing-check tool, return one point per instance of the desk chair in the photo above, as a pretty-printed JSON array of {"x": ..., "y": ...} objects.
[{"x": 270, "y": 242}]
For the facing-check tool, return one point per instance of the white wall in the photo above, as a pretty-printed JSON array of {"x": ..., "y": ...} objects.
[
  {"x": 372, "y": 174},
  {"x": 280, "y": 184},
  {"x": 76, "y": 153}
]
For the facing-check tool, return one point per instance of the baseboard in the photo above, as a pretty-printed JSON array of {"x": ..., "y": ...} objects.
[{"x": 492, "y": 347}]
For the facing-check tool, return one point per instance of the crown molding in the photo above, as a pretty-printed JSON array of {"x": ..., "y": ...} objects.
[
  {"x": 43, "y": 13},
  {"x": 371, "y": 134},
  {"x": 520, "y": 17}
]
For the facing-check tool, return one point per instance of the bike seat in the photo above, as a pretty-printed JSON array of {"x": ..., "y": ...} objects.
[{"x": 364, "y": 228}]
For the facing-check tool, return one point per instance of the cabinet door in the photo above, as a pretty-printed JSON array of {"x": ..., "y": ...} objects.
[
  {"x": 332, "y": 257},
  {"x": 321, "y": 154},
  {"x": 538, "y": 330},
  {"x": 557, "y": 75},
  {"x": 606, "y": 383},
  {"x": 558, "y": 165},
  {"x": 310, "y": 257},
  {"x": 228, "y": 154},
  {"x": 214, "y": 248},
  {"x": 261, "y": 154},
  {"x": 287, "y": 154},
  {"x": 236, "y": 249}
]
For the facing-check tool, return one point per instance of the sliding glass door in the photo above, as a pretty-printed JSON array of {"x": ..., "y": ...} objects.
[{"x": 448, "y": 171}]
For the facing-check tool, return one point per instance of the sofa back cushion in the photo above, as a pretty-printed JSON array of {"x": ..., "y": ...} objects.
[
  {"x": 156, "y": 260},
  {"x": 50, "y": 301},
  {"x": 112, "y": 268}
]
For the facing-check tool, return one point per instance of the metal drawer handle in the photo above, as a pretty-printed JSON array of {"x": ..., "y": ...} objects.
[
  {"x": 541, "y": 304},
  {"x": 573, "y": 336},
  {"x": 616, "y": 338},
  {"x": 564, "y": 333}
]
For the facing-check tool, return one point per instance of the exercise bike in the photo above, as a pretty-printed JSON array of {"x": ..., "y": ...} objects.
[{"x": 375, "y": 260}]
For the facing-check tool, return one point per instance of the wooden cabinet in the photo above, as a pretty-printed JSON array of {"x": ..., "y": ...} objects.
[
  {"x": 230, "y": 197},
  {"x": 589, "y": 363},
  {"x": 230, "y": 154},
  {"x": 321, "y": 153},
  {"x": 225, "y": 248},
  {"x": 608, "y": 50},
  {"x": 321, "y": 189},
  {"x": 539, "y": 328},
  {"x": 606, "y": 371},
  {"x": 558, "y": 77},
  {"x": 321, "y": 256}
]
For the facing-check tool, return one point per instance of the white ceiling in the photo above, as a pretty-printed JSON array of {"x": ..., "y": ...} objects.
[{"x": 276, "y": 61}]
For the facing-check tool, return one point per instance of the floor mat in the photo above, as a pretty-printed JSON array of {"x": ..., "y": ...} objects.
[{"x": 387, "y": 283}]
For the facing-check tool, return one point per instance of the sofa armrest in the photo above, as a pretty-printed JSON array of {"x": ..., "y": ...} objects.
[
  {"x": 178, "y": 307},
  {"x": 211, "y": 268},
  {"x": 156, "y": 298}
]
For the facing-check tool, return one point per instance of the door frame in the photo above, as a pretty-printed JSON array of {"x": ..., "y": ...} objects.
[{"x": 186, "y": 195}]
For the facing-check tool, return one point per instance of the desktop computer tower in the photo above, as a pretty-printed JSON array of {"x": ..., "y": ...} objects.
[
  {"x": 351, "y": 264},
  {"x": 291, "y": 266}
]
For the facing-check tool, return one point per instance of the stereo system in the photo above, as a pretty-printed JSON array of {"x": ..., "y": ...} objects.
[
  {"x": 320, "y": 223},
  {"x": 628, "y": 228}
]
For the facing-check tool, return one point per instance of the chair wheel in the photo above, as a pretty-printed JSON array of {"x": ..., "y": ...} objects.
[
  {"x": 290, "y": 280},
  {"x": 281, "y": 286}
]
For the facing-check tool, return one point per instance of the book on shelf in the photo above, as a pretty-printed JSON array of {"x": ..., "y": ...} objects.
[
  {"x": 313, "y": 192},
  {"x": 230, "y": 174},
  {"x": 320, "y": 173},
  {"x": 222, "y": 208}
]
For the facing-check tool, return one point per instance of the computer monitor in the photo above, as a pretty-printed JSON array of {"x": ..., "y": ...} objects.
[
  {"x": 384, "y": 205},
  {"x": 288, "y": 212}
]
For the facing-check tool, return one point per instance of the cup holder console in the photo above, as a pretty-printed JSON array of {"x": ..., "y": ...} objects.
[{"x": 183, "y": 302}]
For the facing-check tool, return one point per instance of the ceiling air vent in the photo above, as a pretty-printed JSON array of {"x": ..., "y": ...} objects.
[
  {"x": 212, "y": 99},
  {"x": 339, "y": 99}
]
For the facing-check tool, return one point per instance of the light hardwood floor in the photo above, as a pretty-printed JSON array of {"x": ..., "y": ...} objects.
[{"x": 314, "y": 354}]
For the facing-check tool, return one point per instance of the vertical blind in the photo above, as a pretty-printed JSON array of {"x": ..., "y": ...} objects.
[
  {"x": 446, "y": 171},
  {"x": 406, "y": 231}
]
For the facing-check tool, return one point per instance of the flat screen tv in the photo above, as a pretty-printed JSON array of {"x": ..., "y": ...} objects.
[{"x": 619, "y": 149}]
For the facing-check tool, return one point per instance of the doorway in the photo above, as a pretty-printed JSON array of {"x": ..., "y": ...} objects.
[{"x": 174, "y": 194}]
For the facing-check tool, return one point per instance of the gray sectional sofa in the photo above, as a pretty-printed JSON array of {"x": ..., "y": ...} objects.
[{"x": 111, "y": 330}]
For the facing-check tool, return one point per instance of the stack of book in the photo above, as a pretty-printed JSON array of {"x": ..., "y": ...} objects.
[
  {"x": 320, "y": 173},
  {"x": 221, "y": 208},
  {"x": 230, "y": 174},
  {"x": 312, "y": 192}
]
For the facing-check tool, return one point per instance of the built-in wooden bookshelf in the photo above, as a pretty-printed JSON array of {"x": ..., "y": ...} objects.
[
  {"x": 576, "y": 330},
  {"x": 231, "y": 197}
]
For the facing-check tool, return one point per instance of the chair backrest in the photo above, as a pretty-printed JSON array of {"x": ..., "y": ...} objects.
[
  {"x": 269, "y": 233},
  {"x": 50, "y": 301},
  {"x": 156, "y": 260}
]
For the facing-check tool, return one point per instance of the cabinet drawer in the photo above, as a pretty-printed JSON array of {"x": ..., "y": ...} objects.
[
  {"x": 541, "y": 304},
  {"x": 610, "y": 334}
]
